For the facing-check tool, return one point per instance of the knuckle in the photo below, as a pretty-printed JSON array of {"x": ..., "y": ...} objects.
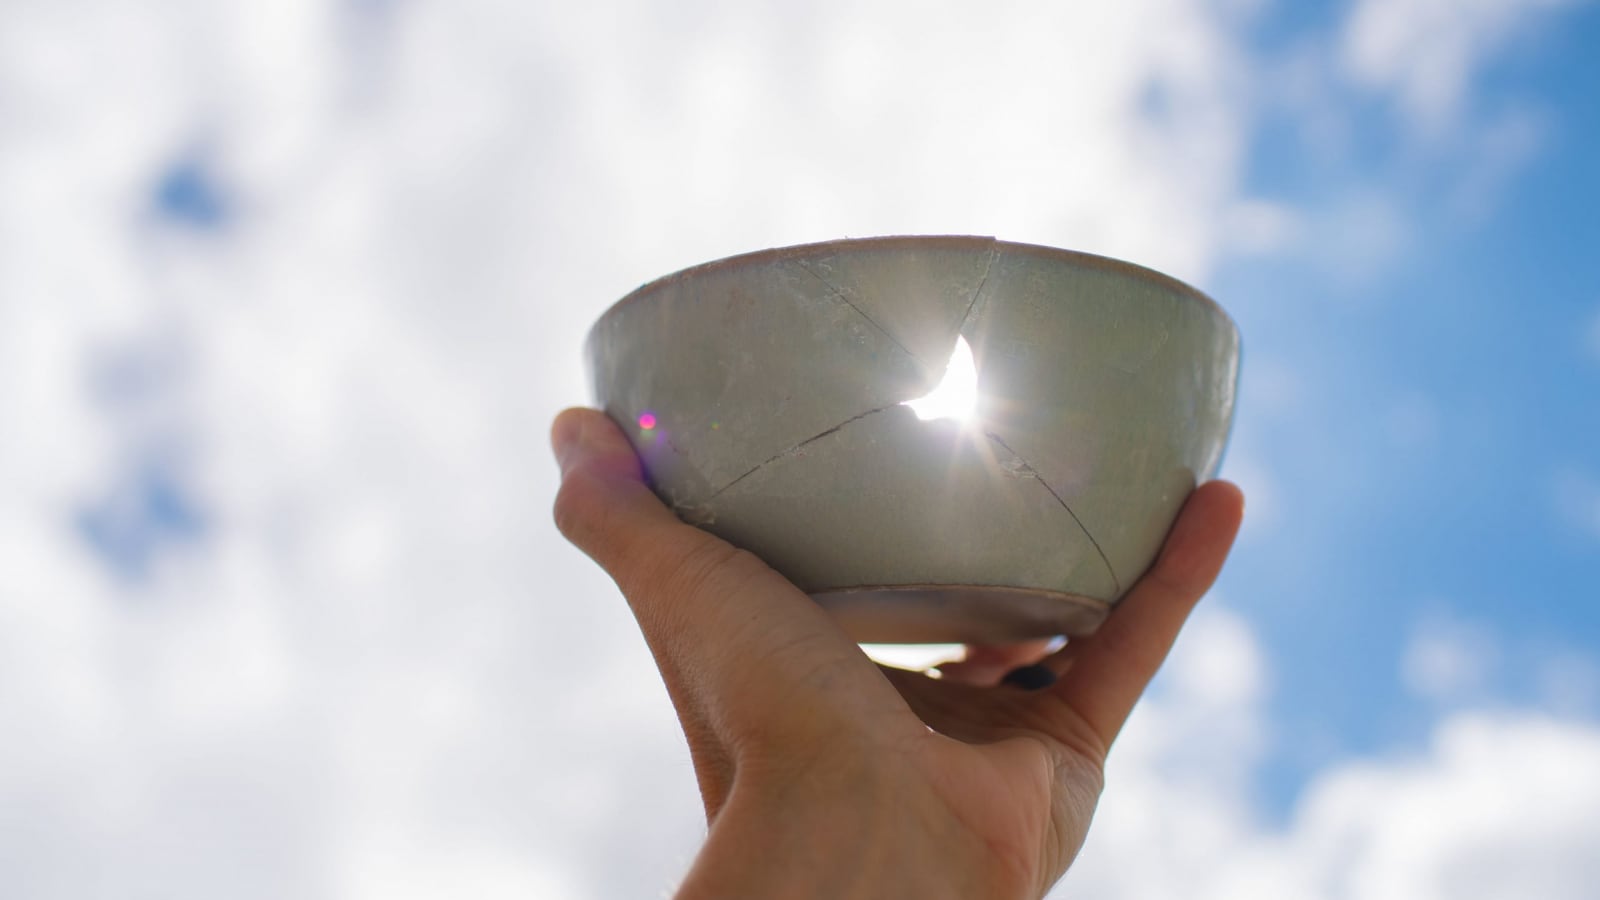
[
  {"x": 574, "y": 501},
  {"x": 587, "y": 516},
  {"x": 1121, "y": 643},
  {"x": 1135, "y": 651}
]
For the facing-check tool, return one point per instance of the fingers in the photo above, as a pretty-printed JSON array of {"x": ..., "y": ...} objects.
[
  {"x": 684, "y": 584},
  {"x": 604, "y": 506},
  {"x": 966, "y": 712},
  {"x": 729, "y": 633},
  {"x": 1109, "y": 670},
  {"x": 988, "y": 663}
]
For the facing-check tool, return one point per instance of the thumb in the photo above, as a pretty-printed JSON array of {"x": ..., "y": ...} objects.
[
  {"x": 605, "y": 508},
  {"x": 724, "y": 627},
  {"x": 603, "y": 502}
]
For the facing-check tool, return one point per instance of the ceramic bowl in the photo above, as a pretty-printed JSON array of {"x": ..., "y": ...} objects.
[{"x": 767, "y": 397}]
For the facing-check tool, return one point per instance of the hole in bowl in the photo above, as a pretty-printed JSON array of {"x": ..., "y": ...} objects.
[{"x": 956, "y": 395}]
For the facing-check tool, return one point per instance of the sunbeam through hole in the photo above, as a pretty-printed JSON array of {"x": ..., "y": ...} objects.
[{"x": 956, "y": 396}]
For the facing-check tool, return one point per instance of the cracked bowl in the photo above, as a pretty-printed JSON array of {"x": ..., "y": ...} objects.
[{"x": 766, "y": 396}]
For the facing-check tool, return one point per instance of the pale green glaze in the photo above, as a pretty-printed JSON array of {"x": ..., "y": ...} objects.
[{"x": 776, "y": 378}]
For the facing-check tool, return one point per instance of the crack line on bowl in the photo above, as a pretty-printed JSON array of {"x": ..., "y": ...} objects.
[
  {"x": 795, "y": 449},
  {"x": 972, "y": 306},
  {"x": 839, "y": 294},
  {"x": 1115, "y": 581}
]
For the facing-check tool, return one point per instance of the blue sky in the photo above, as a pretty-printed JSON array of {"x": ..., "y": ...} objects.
[
  {"x": 289, "y": 293},
  {"x": 1446, "y": 391}
]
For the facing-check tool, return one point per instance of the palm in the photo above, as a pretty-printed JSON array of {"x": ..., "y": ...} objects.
[
  {"x": 1019, "y": 767},
  {"x": 773, "y": 695}
]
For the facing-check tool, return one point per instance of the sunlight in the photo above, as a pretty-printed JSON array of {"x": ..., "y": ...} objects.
[
  {"x": 915, "y": 657},
  {"x": 956, "y": 396}
]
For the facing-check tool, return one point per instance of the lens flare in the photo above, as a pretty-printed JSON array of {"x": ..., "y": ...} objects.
[
  {"x": 647, "y": 420},
  {"x": 956, "y": 396}
]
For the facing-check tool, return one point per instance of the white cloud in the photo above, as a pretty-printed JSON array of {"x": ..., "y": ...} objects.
[
  {"x": 402, "y": 870},
  {"x": 1454, "y": 661},
  {"x": 1568, "y": 681},
  {"x": 1457, "y": 154},
  {"x": 1446, "y": 659},
  {"x": 1359, "y": 236},
  {"x": 1499, "y": 804},
  {"x": 379, "y": 668},
  {"x": 1262, "y": 492},
  {"x": 1428, "y": 52},
  {"x": 1278, "y": 388},
  {"x": 1177, "y": 796},
  {"x": 1502, "y": 149},
  {"x": 1261, "y": 227},
  {"x": 1575, "y": 493}
]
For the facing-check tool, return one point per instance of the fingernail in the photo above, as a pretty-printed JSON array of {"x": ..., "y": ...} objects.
[{"x": 1030, "y": 678}]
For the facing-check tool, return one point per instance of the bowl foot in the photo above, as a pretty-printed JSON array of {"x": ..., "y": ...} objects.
[{"x": 956, "y": 613}]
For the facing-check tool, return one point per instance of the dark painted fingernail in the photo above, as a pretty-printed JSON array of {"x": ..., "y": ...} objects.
[{"x": 1030, "y": 678}]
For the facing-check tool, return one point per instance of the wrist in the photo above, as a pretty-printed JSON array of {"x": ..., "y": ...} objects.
[{"x": 841, "y": 836}]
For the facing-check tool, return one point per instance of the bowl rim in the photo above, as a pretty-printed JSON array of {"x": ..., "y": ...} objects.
[{"x": 946, "y": 241}]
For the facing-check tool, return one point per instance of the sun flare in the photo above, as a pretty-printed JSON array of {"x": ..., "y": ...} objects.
[{"x": 956, "y": 396}]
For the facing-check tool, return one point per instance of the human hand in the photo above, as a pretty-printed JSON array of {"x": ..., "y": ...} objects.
[{"x": 825, "y": 775}]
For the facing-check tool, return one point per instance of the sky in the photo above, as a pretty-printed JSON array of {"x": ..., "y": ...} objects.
[{"x": 290, "y": 292}]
